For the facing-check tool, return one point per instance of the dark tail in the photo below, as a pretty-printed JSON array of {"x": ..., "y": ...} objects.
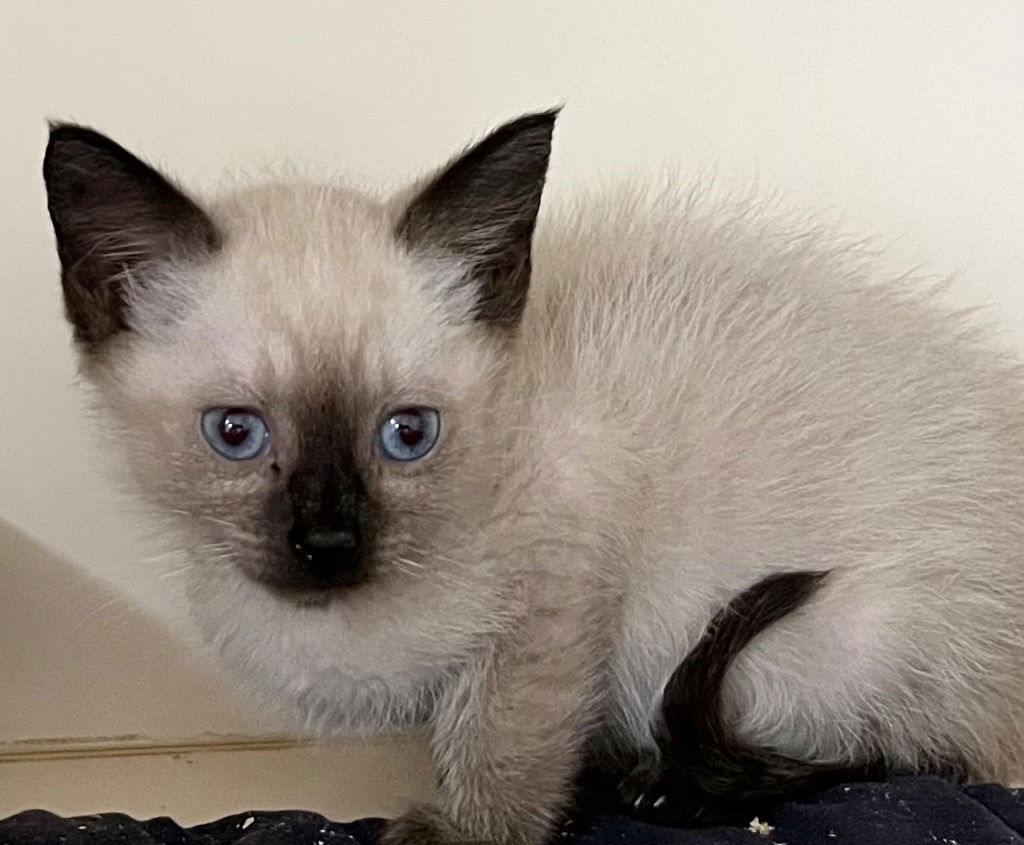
[{"x": 701, "y": 755}]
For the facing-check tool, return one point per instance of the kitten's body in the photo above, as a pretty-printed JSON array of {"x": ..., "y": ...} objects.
[
  {"x": 696, "y": 395},
  {"x": 753, "y": 399}
]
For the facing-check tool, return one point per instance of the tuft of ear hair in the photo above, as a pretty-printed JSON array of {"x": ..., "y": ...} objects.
[
  {"x": 113, "y": 215},
  {"x": 481, "y": 209}
]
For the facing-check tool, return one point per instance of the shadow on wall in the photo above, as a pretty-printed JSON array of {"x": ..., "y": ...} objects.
[{"x": 79, "y": 661}]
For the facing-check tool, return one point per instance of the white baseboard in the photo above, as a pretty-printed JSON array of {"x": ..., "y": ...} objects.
[{"x": 74, "y": 748}]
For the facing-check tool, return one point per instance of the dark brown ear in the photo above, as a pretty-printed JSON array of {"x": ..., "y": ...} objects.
[
  {"x": 113, "y": 216},
  {"x": 482, "y": 208}
]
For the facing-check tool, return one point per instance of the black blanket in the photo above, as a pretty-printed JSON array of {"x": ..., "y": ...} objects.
[{"x": 903, "y": 811}]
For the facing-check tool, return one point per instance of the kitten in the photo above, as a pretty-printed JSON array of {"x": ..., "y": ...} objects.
[{"x": 437, "y": 471}]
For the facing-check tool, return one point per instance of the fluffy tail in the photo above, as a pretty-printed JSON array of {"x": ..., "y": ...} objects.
[{"x": 701, "y": 755}]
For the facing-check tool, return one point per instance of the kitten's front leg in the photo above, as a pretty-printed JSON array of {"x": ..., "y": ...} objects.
[{"x": 508, "y": 739}]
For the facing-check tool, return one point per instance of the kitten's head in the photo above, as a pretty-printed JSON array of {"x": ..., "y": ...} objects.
[{"x": 307, "y": 376}]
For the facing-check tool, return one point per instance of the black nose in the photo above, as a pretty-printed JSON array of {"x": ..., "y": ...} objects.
[{"x": 329, "y": 555}]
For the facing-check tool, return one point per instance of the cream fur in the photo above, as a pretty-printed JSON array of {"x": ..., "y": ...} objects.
[{"x": 701, "y": 392}]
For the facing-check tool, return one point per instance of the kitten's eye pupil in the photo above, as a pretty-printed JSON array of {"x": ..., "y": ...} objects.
[
  {"x": 410, "y": 436},
  {"x": 232, "y": 431}
]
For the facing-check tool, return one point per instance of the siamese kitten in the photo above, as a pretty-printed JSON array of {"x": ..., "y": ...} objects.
[{"x": 438, "y": 469}]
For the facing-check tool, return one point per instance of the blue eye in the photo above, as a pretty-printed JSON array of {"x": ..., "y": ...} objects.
[
  {"x": 235, "y": 434},
  {"x": 409, "y": 434}
]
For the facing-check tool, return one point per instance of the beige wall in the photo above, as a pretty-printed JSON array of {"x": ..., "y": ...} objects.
[
  {"x": 906, "y": 116},
  {"x": 78, "y": 662}
]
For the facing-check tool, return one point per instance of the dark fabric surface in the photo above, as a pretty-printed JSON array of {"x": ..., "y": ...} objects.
[{"x": 904, "y": 811}]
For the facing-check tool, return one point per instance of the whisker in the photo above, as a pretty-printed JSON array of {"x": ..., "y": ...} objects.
[
  {"x": 421, "y": 571},
  {"x": 103, "y": 607}
]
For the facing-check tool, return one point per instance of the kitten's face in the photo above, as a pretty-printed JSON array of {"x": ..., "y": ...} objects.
[
  {"x": 309, "y": 384},
  {"x": 330, "y": 343}
]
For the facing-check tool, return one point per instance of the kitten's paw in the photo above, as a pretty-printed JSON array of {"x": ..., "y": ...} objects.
[
  {"x": 657, "y": 797},
  {"x": 643, "y": 790},
  {"x": 424, "y": 826}
]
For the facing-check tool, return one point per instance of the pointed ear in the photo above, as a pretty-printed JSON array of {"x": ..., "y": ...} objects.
[
  {"x": 482, "y": 208},
  {"x": 113, "y": 216}
]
